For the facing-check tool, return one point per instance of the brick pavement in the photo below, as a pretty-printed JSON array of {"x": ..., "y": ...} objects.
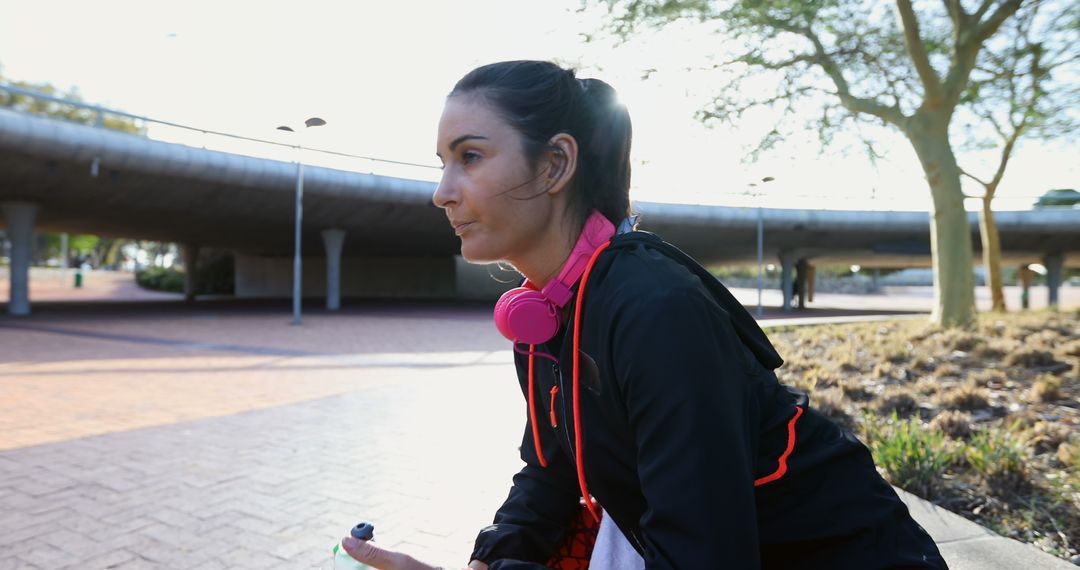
[
  {"x": 205, "y": 437},
  {"x": 273, "y": 487},
  {"x": 220, "y": 440}
]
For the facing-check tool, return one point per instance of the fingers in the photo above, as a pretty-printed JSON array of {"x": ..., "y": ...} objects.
[{"x": 380, "y": 558}]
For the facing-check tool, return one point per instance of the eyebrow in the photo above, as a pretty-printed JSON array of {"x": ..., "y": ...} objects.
[
  {"x": 464, "y": 138},
  {"x": 460, "y": 140}
]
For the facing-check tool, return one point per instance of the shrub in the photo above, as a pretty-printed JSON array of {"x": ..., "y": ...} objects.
[
  {"x": 913, "y": 457},
  {"x": 161, "y": 279},
  {"x": 960, "y": 339},
  {"x": 988, "y": 376},
  {"x": 1044, "y": 437},
  {"x": 1030, "y": 358},
  {"x": 1069, "y": 456},
  {"x": 927, "y": 386},
  {"x": 998, "y": 457},
  {"x": 1071, "y": 348},
  {"x": 967, "y": 396},
  {"x": 1046, "y": 388},
  {"x": 950, "y": 370},
  {"x": 952, "y": 423},
  {"x": 896, "y": 400},
  {"x": 215, "y": 275},
  {"x": 990, "y": 352},
  {"x": 855, "y": 390}
]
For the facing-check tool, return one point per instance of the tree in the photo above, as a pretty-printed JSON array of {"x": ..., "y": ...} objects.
[
  {"x": 1014, "y": 91},
  {"x": 97, "y": 251},
  {"x": 858, "y": 65},
  {"x": 73, "y": 113}
]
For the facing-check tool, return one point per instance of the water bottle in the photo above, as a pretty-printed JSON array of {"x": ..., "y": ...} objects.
[{"x": 342, "y": 560}]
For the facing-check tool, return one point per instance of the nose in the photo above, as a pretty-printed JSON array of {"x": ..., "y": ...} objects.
[{"x": 444, "y": 195}]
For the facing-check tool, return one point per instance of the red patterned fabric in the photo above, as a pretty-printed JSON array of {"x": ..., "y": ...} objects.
[{"x": 577, "y": 547}]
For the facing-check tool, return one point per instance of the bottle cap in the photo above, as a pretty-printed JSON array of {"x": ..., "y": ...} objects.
[{"x": 363, "y": 531}]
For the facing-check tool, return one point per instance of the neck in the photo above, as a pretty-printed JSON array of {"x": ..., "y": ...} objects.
[{"x": 543, "y": 264}]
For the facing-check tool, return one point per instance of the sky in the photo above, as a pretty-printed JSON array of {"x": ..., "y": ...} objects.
[{"x": 378, "y": 73}]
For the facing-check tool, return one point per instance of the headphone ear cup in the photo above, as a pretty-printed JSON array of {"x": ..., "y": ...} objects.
[
  {"x": 525, "y": 315},
  {"x": 502, "y": 309}
]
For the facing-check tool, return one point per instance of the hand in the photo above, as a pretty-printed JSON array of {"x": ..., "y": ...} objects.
[{"x": 382, "y": 558}]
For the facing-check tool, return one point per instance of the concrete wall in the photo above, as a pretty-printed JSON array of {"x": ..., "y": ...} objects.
[
  {"x": 413, "y": 277},
  {"x": 482, "y": 282}
]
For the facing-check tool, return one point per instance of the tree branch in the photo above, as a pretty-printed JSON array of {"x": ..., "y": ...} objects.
[
  {"x": 851, "y": 102},
  {"x": 956, "y": 12},
  {"x": 917, "y": 51},
  {"x": 991, "y": 25},
  {"x": 972, "y": 176},
  {"x": 970, "y": 40},
  {"x": 982, "y": 9},
  {"x": 1006, "y": 153}
]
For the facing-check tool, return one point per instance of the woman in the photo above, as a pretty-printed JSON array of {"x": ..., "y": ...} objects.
[{"x": 655, "y": 394}]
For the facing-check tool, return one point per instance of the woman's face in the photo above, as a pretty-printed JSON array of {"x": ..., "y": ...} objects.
[{"x": 487, "y": 183}]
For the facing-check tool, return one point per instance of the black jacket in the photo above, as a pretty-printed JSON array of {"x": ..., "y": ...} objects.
[{"x": 681, "y": 414}]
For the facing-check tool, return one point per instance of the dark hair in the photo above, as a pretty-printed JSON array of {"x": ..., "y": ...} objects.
[{"x": 541, "y": 99}]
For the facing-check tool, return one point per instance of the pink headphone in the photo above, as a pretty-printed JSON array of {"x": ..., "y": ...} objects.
[{"x": 525, "y": 314}]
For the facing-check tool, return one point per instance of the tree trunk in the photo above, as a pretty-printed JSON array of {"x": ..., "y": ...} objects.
[
  {"x": 950, "y": 235},
  {"x": 991, "y": 255}
]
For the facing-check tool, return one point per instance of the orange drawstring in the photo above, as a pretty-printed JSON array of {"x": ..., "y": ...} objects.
[
  {"x": 554, "y": 390},
  {"x": 532, "y": 410},
  {"x": 579, "y": 457},
  {"x": 577, "y": 408}
]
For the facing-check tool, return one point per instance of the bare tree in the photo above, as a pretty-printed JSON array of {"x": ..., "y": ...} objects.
[{"x": 1015, "y": 93}]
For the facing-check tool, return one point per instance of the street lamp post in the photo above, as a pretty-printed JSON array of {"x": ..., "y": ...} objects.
[
  {"x": 297, "y": 264},
  {"x": 760, "y": 248}
]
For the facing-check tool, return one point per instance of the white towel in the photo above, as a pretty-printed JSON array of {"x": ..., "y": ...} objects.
[{"x": 612, "y": 551}]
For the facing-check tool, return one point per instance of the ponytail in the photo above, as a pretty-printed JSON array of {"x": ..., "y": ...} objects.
[{"x": 605, "y": 153}]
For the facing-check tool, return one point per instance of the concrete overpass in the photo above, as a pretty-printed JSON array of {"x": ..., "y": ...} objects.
[{"x": 64, "y": 177}]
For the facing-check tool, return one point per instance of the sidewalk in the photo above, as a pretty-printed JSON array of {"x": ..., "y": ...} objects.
[{"x": 213, "y": 438}]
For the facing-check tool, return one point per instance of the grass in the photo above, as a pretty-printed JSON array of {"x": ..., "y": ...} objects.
[
  {"x": 913, "y": 458},
  {"x": 984, "y": 421}
]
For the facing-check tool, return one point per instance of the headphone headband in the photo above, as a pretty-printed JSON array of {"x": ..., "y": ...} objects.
[
  {"x": 594, "y": 233},
  {"x": 527, "y": 315}
]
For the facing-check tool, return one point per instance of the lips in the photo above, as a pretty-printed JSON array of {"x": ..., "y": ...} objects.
[{"x": 458, "y": 228}]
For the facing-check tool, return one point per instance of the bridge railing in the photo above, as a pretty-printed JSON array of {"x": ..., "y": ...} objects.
[
  {"x": 167, "y": 131},
  {"x": 98, "y": 116}
]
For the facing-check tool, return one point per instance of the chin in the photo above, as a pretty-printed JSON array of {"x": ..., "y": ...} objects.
[{"x": 477, "y": 255}]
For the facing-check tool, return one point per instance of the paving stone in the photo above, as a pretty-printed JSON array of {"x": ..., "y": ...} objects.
[{"x": 209, "y": 458}]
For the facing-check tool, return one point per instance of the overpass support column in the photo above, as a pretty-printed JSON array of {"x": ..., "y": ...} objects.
[
  {"x": 20, "y": 218},
  {"x": 333, "y": 240},
  {"x": 787, "y": 264},
  {"x": 802, "y": 272},
  {"x": 1053, "y": 263},
  {"x": 191, "y": 262}
]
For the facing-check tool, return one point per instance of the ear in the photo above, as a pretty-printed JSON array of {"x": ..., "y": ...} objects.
[{"x": 562, "y": 159}]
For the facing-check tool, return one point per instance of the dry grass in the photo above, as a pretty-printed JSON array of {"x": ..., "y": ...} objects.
[
  {"x": 952, "y": 423},
  {"x": 967, "y": 396},
  {"x": 895, "y": 399},
  {"x": 1046, "y": 388},
  {"x": 999, "y": 403},
  {"x": 1030, "y": 358}
]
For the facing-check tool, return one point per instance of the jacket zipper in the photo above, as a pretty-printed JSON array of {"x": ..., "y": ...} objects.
[{"x": 559, "y": 379}]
